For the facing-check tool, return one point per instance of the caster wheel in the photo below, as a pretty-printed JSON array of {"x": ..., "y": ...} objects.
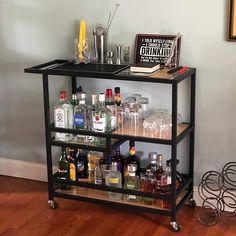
[
  {"x": 52, "y": 204},
  {"x": 192, "y": 203},
  {"x": 175, "y": 226}
]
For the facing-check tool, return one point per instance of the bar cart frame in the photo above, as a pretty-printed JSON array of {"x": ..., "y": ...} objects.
[{"x": 185, "y": 193}]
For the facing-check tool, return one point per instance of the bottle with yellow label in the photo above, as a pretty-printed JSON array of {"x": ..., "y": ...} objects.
[
  {"x": 131, "y": 159},
  {"x": 114, "y": 180},
  {"x": 72, "y": 164}
]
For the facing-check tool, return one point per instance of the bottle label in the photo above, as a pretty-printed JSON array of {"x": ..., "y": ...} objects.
[
  {"x": 99, "y": 123},
  {"x": 113, "y": 180},
  {"x": 91, "y": 167},
  {"x": 60, "y": 118},
  {"x": 72, "y": 172},
  {"x": 132, "y": 151},
  {"x": 79, "y": 120},
  {"x": 80, "y": 166}
]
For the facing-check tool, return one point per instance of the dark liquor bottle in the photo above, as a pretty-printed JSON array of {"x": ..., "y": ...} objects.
[
  {"x": 117, "y": 98},
  {"x": 64, "y": 171},
  {"x": 159, "y": 173},
  {"x": 131, "y": 159},
  {"x": 72, "y": 164},
  {"x": 82, "y": 164}
]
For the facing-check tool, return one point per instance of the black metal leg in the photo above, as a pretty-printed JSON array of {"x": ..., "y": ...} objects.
[
  {"x": 47, "y": 135},
  {"x": 73, "y": 84},
  {"x": 192, "y": 121},
  {"x": 174, "y": 151}
]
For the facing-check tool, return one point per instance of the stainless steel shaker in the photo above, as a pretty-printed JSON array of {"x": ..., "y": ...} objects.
[{"x": 100, "y": 44}]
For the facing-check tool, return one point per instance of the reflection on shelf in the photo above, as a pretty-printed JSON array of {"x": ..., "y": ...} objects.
[{"x": 139, "y": 131}]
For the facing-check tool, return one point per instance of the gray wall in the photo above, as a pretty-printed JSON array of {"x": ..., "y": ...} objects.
[{"x": 35, "y": 31}]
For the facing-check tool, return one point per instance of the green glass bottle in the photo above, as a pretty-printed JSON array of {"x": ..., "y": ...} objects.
[{"x": 64, "y": 170}]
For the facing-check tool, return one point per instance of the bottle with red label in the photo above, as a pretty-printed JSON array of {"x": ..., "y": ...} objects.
[{"x": 63, "y": 117}]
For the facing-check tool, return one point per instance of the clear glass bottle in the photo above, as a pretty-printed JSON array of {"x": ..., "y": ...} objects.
[
  {"x": 93, "y": 157},
  {"x": 114, "y": 180},
  {"x": 98, "y": 173},
  {"x": 110, "y": 104},
  {"x": 147, "y": 183},
  {"x": 63, "y": 117},
  {"x": 152, "y": 162},
  {"x": 64, "y": 170},
  {"x": 80, "y": 117},
  {"x": 131, "y": 182}
]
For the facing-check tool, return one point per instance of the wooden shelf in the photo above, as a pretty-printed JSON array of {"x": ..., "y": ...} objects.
[
  {"x": 139, "y": 131},
  {"x": 104, "y": 196}
]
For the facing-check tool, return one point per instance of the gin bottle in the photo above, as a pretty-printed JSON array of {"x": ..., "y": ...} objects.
[
  {"x": 131, "y": 182},
  {"x": 80, "y": 115},
  {"x": 63, "y": 117},
  {"x": 114, "y": 180}
]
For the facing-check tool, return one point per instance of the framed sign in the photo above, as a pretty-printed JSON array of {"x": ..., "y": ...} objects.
[
  {"x": 152, "y": 48},
  {"x": 231, "y": 21}
]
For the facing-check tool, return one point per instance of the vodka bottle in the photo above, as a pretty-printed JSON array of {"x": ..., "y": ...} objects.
[{"x": 63, "y": 117}]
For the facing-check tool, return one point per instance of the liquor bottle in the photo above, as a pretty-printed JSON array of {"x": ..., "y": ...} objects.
[
  {"x": 131, "y": 159},
  {"x": 152, "y": 162},
  {"x": 82, "y": 164},
  {"x": 63, "y": 117},
  {"x": 98, "y": 173},
  {"x": 159, "y": 173},
  {"x": 147, "y": 183},
  {"x": 131, "y": 182},
  {"x": 114, "y": 180},
  {"x": 74, "y": 100},
  {"x": 104, "y": 165},
  {"x": 80, "y": 117},
  {"x": 101, "y": 116},
  {"x": 117, "y": 157},
  {"x": 110, "y": 104},
  {"x": 117, "y": 97},
  {"x": 93, "y": 157},
  {"x": 72, "y": 164},
  {"x": 64, "y": 170}
]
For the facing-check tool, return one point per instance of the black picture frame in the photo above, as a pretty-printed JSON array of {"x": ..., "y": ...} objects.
[
  {"x": 154, "y": 48},
  {"x": 231, "y": 21}
]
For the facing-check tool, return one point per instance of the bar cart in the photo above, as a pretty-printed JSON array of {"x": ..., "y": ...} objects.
[{"x": 85, "y": 191}]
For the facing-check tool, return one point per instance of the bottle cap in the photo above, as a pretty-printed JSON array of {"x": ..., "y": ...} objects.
[
  {"x": 159, "y": 157},
  {"x": 82, "y": 95},
  {"x": 101, "y": 97},
  {"x": 152, "y": 156},
  {"x": 117, "y": 89},
  {"x": 132, "y": 167},
  {"x": 109, "y": 93},
  {"x": 62, "y": 94},
  {"x": 79, "y": 89},
  {"x": 131, "y": 143},
  {"x": 74, "y": 96}
]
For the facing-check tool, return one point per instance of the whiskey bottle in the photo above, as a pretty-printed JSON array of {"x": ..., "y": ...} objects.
[
  {"x": 131, "y": 182},
  {"x": 131, "y": 159},
  {"x": 159, "y": 174},
  {"x": 64, "y": 170},
  {"x": 63, "y": 117},
  {"x": 72, "y": 164},
  {"x": 147, "y": 182}
]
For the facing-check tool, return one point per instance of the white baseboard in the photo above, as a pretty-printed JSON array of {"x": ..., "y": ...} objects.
[{"x": 23, "y": 169}]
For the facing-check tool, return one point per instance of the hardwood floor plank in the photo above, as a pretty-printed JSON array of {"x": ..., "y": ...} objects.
[{"x": 25, "y": 211}]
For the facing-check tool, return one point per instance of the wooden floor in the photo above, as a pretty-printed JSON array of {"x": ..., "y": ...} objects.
[{"x": 24, "y": 211}]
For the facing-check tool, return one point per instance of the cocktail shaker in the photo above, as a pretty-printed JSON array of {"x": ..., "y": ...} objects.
[{"x": 100, "y": 44}]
